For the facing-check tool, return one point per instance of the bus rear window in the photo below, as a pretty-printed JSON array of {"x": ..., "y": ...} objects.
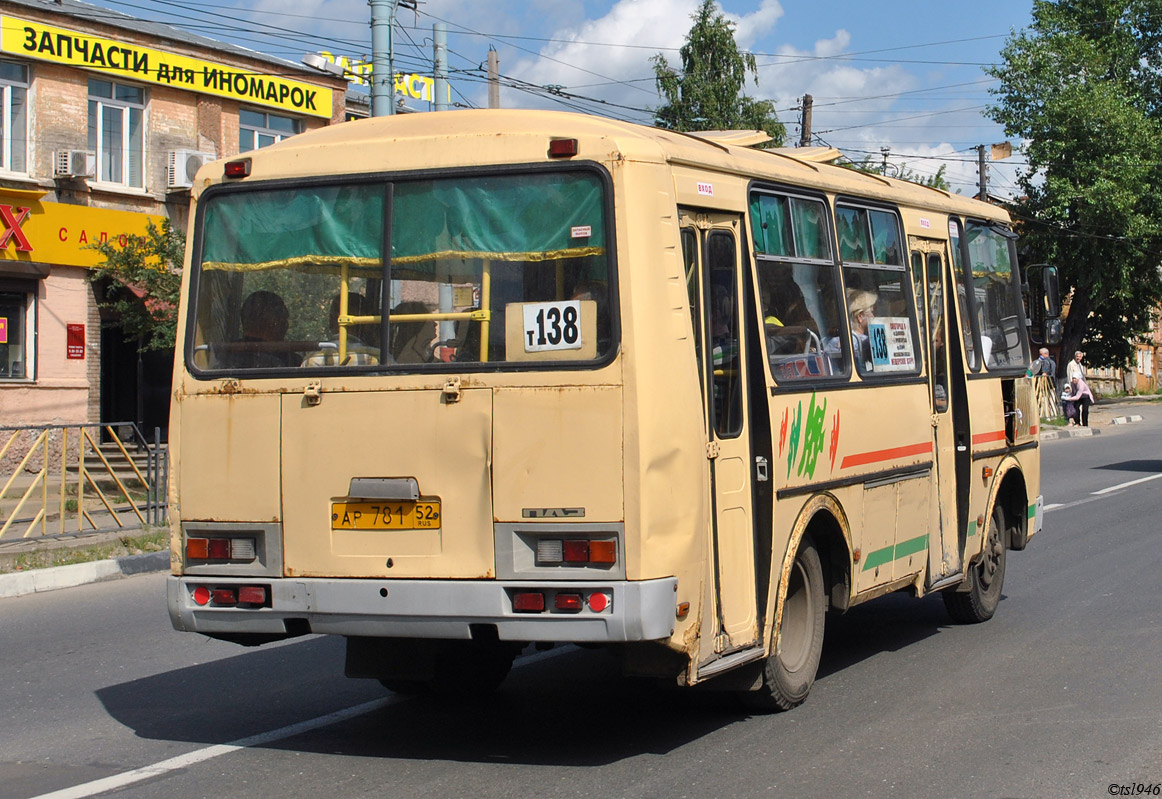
[{"x": 483, "y": 270}]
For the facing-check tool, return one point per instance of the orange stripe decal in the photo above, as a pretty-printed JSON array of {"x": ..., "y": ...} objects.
[
  {"x": 984, "y": 438},
  {"x": 864, "y": 458}
]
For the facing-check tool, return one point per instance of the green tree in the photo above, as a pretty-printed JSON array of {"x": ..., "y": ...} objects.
[
  {"x": 1083, "y": 87},
  {"x": 707, "y": 93},
  {"x": 144, "y": 278},
  {"x": 939, "y": 180}
]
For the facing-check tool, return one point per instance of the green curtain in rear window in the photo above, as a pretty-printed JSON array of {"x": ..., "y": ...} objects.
[
  {"x": 321, "y": 226},
  {"x": 772, "y": 228},
  {"x": 534, "y": 217}
]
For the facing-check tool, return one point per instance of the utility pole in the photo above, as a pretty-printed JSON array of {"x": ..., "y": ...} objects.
[
  {"x": 382, "y": 57},
  {"x": 805, "y": 127},
  {"x": 982, "y": 169},
  {"x": 440, "y": 61},
  {"x": 493, "y": 78}
]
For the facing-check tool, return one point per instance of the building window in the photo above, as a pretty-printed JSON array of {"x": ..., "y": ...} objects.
[
  {"x": 116, "y": 131},
  {"x": 13, "y": 117},
  {"x": 17, "y": 319},
  {"x": 257, "y": 129}
]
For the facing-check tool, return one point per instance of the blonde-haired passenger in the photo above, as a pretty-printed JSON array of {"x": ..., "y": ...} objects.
[{"x": 861, "y": 311}]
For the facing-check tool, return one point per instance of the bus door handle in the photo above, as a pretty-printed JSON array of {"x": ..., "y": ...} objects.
[
  {"x": 452, "y": 389},
  {"x": 761, "y": 468},
  {"x": 961, "y": 442}
]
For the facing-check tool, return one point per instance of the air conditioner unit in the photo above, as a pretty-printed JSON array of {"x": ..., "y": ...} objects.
[
  {"x": 183, "y": 165},
  {"x": 74, "y": 164}
]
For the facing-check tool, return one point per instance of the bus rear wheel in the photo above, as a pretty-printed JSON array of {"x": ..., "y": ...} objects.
[
  {"x": 986, "y": 579},
  {"x": 789, "y": 672}
]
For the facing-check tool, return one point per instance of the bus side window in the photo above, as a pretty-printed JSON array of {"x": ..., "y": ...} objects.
[
  {"x": 798, "y": 289},
  {"x": 881, "y": 320}
]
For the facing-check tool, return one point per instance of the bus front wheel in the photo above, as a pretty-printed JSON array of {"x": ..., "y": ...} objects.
[
  {"x": 789, "y": 672},
  {"x": 985, "y": 579}
]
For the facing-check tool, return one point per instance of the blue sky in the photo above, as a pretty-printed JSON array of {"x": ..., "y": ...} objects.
[{"x": 901, "y": 74}]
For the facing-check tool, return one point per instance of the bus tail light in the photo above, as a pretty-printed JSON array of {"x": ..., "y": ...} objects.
[
  {"x": 252, "y": 595},
  {"x": 576, "y": 552},
  {"x": 220, "y": 549},
  {"x": 568, "y": 602},
  {"x": 603, "y": 552},
  {"x": 528, "y": 602},
  {"x": 229, "y": 596}
]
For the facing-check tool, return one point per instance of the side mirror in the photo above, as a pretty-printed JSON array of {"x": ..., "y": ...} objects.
[
  {"x": 1051, "y": 292},
  {"x": 1051, "y": 332}
]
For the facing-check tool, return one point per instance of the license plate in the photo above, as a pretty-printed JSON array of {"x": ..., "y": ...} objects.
[{"x": 423, "y": 515}]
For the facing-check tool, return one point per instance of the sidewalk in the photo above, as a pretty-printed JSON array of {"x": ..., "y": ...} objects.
[
  {"x": 1107, "y": 413},
  {"x": 36, "y": 580}
]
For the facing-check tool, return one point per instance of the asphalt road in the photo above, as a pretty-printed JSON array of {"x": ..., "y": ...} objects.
[{"x": 1058, "y": 696}]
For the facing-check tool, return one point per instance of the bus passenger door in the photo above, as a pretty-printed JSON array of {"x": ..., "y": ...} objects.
[
  {"x": 948, "y": 394},
  {"x": 715, "y": 286}
]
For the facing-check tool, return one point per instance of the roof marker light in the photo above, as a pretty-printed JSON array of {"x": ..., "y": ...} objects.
[
  {"x": 238, "y": 169},
  {"x": 562, "y": 148}
]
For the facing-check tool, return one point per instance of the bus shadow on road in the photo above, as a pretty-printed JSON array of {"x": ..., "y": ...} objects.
[
  {"x": 571, "y": 709},
  {"x": 888, "y": 624},
  {"x": 1153, "y": 466}
]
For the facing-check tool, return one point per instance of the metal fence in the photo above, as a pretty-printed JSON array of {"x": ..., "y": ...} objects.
[{"x": 61, "y": 480}]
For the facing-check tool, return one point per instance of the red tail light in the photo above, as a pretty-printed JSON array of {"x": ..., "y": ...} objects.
[
  {"x": 528, "y": 602},
  {"x": 224, "y": 596},
  {"x": 568, "y": 602},
  {"x": 576, "y": 551},
  {"x": 252, "y": 595}
]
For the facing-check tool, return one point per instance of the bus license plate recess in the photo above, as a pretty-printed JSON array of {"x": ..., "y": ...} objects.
[{"x": 386, "y": 515}]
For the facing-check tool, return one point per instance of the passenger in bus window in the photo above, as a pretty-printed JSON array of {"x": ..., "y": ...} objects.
[
  {"x": 358, "y": 352},
  {"x": 413, "y": 341},
  {"x": 264, "y": 319},
  {"x": 861, "y": 311}
]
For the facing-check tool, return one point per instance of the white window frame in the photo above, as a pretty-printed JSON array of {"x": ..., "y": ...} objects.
[
  {"x": 7, "y": 87},
  {"x": 104, "y": 106},
  {"x": 273, "y": 133},
  {"x": 31, "y": 303}
]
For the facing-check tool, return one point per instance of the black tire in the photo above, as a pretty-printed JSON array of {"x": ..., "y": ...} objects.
[
  {"x": 986, "y": 579},
  {"x": 789, "y": 672}
]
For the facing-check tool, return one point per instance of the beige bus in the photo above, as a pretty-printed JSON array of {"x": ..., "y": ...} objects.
[{"x": 451, "y": 384}]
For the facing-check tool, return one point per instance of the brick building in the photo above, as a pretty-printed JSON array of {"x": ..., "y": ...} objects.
[{"x": 104, "y": 118}]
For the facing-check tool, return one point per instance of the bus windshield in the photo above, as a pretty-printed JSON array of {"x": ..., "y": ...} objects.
[
  {"x": 484, "y": 270},
  {"x": 997, "y": 298}
]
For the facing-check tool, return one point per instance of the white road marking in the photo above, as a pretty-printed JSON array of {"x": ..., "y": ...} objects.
[
  {"x": 200, "y": 755},
  {"x": 1053, "y": 506},
  {"x": 1120, "y": 486},
  {"x": 164, "y": 767}
]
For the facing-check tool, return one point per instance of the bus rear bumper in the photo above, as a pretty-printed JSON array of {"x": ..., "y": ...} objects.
[{"x": 634, "y": 611}]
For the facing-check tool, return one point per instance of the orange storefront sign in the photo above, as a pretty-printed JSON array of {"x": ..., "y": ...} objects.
[{"x": 56, "y": 233}]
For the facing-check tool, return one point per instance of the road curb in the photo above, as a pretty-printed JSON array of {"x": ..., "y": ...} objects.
[
  {"x": 36, "y": 580},
  {"x": 1127, "y": 419},
  {"x": 1069, "y": 432}
]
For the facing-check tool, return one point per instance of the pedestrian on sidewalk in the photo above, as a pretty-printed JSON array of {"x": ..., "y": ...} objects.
[
  {"x": 1044, "y": 366},
  {"x": 1075, "y": 368},
  {"x": 1077, "y": 402}
]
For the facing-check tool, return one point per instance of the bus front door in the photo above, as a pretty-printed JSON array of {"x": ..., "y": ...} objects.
[
  {"x": 715, "y": 283},
  {"x": 948, "y": 395}
]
